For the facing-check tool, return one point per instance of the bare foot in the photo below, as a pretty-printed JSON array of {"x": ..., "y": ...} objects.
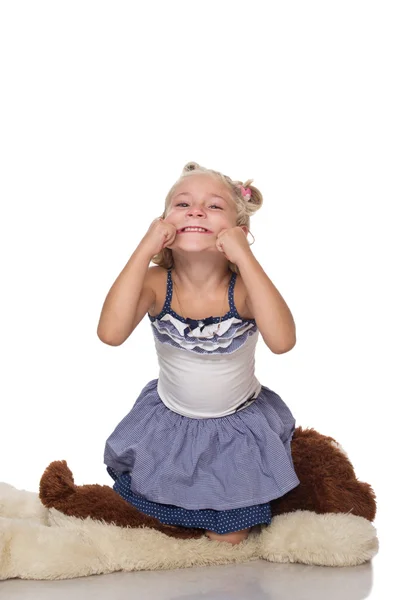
[{"x": 233, "y": 538}]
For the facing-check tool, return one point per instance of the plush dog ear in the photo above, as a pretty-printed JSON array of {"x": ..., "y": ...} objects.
[
  {"x": 328, "y": 483},
  {"x": 58, "y": 490}
]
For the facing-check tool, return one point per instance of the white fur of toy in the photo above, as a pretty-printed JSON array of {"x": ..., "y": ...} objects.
[{"x": 40, "y": 543}]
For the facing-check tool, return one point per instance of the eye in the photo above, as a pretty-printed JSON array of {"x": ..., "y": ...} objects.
[{"x": 216, "y": 205}]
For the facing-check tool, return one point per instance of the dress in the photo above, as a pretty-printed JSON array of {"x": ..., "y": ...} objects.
[{"x": 172, "y": 460}]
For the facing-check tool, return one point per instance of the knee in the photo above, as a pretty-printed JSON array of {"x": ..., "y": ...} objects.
[{"x": 233, "y": 538}]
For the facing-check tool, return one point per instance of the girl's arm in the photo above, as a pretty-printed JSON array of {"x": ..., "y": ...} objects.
[
  {"x": 272, "y": 315},
  {"x": 130, "y": 297}
]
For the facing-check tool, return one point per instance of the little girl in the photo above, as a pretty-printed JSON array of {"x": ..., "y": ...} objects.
[{"x": 205, "y": 444}]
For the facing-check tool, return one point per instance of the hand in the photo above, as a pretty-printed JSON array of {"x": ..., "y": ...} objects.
[
  {"x": 159, "y": 235},
  {"x": 233, "y": 243}
]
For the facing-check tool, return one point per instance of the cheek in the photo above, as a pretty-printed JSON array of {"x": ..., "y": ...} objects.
[
  {"x": 170, "y": 214},
  {"x": 231, "y": 220}
]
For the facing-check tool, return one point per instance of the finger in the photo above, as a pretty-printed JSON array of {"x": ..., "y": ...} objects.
[
  {"x": 169, "y": 240},
  {"x": 221, "y": 232}
]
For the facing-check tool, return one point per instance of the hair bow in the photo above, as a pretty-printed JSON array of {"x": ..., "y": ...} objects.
[{"x": 246, "y": 192}]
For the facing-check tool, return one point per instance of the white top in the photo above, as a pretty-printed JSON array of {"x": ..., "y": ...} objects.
[
  {"x": 206, "y": 385},
  {"x": 205, "y": 378}
]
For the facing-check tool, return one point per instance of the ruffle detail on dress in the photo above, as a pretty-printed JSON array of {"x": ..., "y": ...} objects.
[{"x": 232, "y": 334}]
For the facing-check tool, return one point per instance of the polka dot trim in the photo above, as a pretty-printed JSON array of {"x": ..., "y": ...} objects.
[{"x": 224, "y": 521}]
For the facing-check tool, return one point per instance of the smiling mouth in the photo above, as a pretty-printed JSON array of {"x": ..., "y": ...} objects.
[{"x": 194, "y": 230}]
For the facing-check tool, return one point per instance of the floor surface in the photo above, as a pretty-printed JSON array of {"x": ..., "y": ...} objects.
[{"x": 254, "y": 580}]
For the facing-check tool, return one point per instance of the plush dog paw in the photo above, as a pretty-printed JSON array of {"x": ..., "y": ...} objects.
[{"x": 333, "y": 540}]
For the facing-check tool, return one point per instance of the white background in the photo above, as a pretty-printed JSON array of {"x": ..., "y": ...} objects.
[{"x": 102, "y": 103}]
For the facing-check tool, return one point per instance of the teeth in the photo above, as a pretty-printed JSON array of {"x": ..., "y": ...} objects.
[{"x": 193, "y": 229}]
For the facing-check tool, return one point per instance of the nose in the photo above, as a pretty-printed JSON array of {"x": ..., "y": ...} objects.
[{"x": 196, "y": 211}]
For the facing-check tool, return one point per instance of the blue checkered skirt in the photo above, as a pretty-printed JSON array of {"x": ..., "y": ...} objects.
[{"x": 218, "y": 474}]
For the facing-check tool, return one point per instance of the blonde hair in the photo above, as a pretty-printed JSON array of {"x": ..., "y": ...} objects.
[{"x": 245, "y": 208}]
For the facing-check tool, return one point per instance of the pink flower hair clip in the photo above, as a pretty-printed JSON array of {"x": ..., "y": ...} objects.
[{"x": 246, "y": 193}]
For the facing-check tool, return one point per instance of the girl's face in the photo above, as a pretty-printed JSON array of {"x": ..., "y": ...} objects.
[{"x": 200, "y": 200}]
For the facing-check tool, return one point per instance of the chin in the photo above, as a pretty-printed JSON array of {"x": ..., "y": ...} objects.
[{"x": 193, "y": 247}]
